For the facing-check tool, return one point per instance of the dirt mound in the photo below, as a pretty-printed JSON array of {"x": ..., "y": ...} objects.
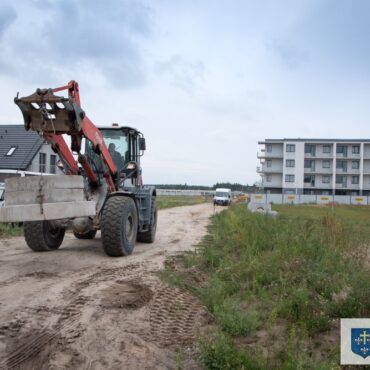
[{"x": 124, "y": 294}]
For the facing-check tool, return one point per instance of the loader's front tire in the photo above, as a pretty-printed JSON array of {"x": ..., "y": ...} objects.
[
  {"x": 149, "y": 235},
  {"x": 41, "y": 236},
  {"x": 88, "y": 235},
  {"x": 119, "y": 223}
]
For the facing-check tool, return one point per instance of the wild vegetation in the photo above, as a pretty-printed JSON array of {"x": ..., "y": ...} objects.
[
  {"x": 277, "y": 287},
  {"x": 7, "y": 230}
]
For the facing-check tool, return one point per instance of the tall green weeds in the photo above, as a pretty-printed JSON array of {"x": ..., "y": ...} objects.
[{"x": 285, "y": 278}]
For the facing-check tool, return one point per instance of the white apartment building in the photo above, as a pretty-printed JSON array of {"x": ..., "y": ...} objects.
[{"x": 315, "y": 166}]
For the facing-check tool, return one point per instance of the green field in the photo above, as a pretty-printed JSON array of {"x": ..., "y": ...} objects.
[
  {"x": 169, "y": 201},
  {"x": 357, "y": 218},
  {"x": 277, "y": 287}
]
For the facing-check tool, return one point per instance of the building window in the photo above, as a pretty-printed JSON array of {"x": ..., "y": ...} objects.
[
  {"x": 356, "y": 149},
  {"x": 290, "y": 148},
  {"x": 268, "y": 148},
  {"x": 289, "y": 178},
  {"x": 11, "y": 151},
  {"x": 309, "y": 179},
  {"x": 310, "y": 149},
  {"x": 341, "y": 165},
  {"x": 325, "y": 164},
  {"x": 53, "y": 159},
  {"x": 326, "y": 179},
  {"x": 342, "y": 149},
  {"x": 268, "y": 163},
  {"x": 290, "y": 163},
  {"x": 355, "y": 179},
  {"x": 355, "y": 165},
  {"x": 42, "y": 162},
  {"x": 307, "y": 163},
  {"x": 268, "y": 178},
  {"x": 326, "y": 149},
  {"x": 339, "y": 179}
]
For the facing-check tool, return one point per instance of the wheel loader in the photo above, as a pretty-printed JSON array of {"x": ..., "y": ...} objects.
[{"x": 101, "y": 188}]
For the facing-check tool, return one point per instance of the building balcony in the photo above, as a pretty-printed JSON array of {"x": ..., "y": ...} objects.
[
  {"x": 341, "y": 186},
  {"x": 347, "y": 185},
  {"x": 309, "y": 185},
  {"x": 354, "y": 156},
  {"x": 273, "y": 169},
  {"x": 272, "y": 184},
  {"x": 354, "y": 171},
  {"x": 322, "y": 155},
  {"x": 323, "y": 185},
  {"x": 318, "y": 170},
  {"x": 342, "y": 155},
  {"x": 263, "y": 154}
]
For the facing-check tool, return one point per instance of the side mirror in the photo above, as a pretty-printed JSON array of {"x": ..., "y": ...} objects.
[
  {"x": 142, "y": 144},
  {"x": 129, "y": 170}
]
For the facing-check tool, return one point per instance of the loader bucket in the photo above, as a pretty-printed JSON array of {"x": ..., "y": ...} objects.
[
  {"x": 45, "y": 112},
  {"x": 37, "y": 198}
]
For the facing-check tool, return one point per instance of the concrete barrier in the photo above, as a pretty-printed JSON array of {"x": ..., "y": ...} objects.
[
  {"x": 310, "y": 199},
  {"x": 261, "y": 208}
]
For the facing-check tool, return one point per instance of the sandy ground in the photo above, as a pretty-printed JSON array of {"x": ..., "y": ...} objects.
[{"x": 77, "y": 308}]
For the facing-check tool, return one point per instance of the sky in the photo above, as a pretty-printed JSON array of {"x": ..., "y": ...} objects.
[{"x": 203, "y": 80}]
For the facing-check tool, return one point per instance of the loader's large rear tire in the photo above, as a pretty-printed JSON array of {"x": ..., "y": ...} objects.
[
  {"x": 149, "y": 236},
  {"x": 88, "y": 235},
  {"x": 42, "y": 237},
  {"x": 119, "y": 223}
]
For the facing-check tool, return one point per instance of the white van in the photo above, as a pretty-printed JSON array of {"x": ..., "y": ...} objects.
[{"x": 222, "y": 197}]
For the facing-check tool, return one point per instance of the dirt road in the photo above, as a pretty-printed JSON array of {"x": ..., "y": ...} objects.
[{"x": 78, "y": 308}]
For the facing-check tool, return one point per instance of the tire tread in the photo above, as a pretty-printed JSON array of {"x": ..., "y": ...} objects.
[{"x": 110, "y": 226}]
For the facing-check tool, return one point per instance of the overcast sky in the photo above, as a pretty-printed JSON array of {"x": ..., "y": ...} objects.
[{"x": 203, "y": 80}]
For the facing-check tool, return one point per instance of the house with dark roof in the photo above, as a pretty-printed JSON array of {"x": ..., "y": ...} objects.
[{"x": 22, "y": 150}]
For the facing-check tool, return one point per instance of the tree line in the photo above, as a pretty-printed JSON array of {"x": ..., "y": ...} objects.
[{"x": 228, "y": 185}]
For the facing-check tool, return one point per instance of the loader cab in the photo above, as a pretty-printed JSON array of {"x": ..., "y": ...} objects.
[{"x": 125, "y": 145}]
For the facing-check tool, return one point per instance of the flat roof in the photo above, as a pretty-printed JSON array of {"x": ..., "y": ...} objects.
[{"x": 315, "y": 140}]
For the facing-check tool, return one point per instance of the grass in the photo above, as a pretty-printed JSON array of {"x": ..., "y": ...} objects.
[
  {"x": 356, "y": 218},
  {"x": 277, "y": 287},
  {"x": 9, "y": 230},
  {"x": 169, "y": 201}
]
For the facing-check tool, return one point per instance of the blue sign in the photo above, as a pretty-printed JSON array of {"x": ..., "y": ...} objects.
[{"x": 360, "y": 341}]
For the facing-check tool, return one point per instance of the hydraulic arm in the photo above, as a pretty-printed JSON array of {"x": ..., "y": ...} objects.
[{"x": 52, "y": 116}]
